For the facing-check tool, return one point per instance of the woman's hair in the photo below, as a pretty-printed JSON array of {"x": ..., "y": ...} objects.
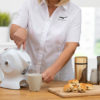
[
  {"x": 61, "y": 2},
  {"x": 40, "y": 1}
]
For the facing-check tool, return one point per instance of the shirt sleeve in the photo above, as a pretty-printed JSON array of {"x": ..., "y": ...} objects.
[
  {"x": 21, "y": 17},
  {"x": 74, "y": 32}
]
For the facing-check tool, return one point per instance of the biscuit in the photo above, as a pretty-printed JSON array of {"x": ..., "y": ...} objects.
[
  {"x": 74, "y": 82},
  {"x": 89, "y": 86},
  {"x": 82, "y": 87},
  {"x": 68, "y": 87},
  {"x": 75, "y": 88}
]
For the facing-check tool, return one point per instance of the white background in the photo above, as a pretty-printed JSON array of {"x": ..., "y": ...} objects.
[{"x": 88, "y": 3}]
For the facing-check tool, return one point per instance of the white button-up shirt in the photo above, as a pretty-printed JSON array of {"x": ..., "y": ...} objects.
[{"x": 47, "y": 35}]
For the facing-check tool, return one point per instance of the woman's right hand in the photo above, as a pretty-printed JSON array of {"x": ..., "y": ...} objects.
[{"x": 20, "y": 37}]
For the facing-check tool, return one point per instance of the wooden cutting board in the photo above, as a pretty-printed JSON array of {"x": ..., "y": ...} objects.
[{"x": 59, "y": 91}]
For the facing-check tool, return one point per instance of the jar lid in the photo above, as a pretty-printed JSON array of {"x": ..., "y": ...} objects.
[{"x": 81, "y": 60}]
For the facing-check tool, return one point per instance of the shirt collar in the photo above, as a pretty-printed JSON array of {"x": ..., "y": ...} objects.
[
  {"x": 64, "y": 6},
  {"x": 42, "y": 2}
]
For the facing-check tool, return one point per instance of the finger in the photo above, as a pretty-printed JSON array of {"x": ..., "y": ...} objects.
[
  {"x": 16, "y": 40},
  {"x": 44, "y": 76},
  {"x": 19, "y": 44},
  {"x": 18, "y": 37},
  {"x": 24, "y": 45},
  {"x": 49, "y": 80}
]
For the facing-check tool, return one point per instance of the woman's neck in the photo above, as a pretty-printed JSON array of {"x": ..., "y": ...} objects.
[{"x": 52, "y": 2}]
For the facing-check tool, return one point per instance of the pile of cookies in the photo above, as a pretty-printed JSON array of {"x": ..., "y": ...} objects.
[{"x": 75, "y": 86}]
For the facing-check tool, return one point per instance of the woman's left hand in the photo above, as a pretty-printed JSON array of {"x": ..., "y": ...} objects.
[{"x": 48, "y": 75}]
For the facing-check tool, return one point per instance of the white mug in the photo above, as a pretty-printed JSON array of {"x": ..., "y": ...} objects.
[{"x": 34, "y": 81}]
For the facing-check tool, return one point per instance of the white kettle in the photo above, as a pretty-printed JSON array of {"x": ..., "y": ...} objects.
[{"x": 14, "y": 64}]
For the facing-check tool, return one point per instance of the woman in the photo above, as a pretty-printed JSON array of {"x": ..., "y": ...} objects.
[{"x": 49, "y": 31}]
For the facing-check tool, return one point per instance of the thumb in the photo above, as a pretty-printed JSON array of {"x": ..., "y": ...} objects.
[
  {"x": 43, "y": 75},
  {"x": 24, "y": 45}
]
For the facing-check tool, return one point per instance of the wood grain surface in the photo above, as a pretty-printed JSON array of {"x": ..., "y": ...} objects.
[{"x": 25, "y": 94}]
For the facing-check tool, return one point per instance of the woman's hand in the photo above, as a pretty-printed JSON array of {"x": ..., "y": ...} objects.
[
  {"x": 48, "y": 75},
  {"x": 20, "y": 37}
]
